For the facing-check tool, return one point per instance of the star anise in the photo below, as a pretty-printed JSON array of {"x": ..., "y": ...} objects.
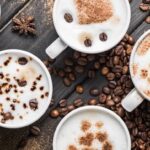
[{"x": 24, "y": 25}]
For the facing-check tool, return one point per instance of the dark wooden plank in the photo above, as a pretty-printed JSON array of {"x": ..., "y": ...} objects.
[
  {"x": 9, "y": 9},
  {"x": 99, "y": 82}
]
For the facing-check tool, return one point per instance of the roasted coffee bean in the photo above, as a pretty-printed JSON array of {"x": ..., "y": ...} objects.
[
  {"x": 112, "y": 84},
  {"x": 116, "y": 60},
  {"x": 96, "y": 65},
  {"x": 68, "y": 17},
  {"x": 94, "y": 92},
  {"x": 92, "y": 102},
  {"x": 84, "y": 54},
  {"x": 46, "y": 63},
  {"x": 70, "y": 107},
  {"x": 105, "y": 71},
  {"x": 129, "y": 84},
  {"x": 78, "y": 102},
  {"x": 148, "y": 20},
  {"x": 68, "y": 62},
  {"x": 64, "y": 111},
  {"x": 54, "y": 113},
  {"x": 67, "y": 81},
  {"x": 120, "y": 112},
  {"x": 118, "y": 91},
  {"x": 102, "y": 60},
  {"x": 79, "y": 69},
  {"x": 110, "y": 103},
  {"x": 72, "y": 76},
  {"x": 23, "y": 143},
  {"x": 110, "y": 76},
  {"x": 131, "y": 40},
  {"x": 117, "y": 99},
  {"x": 76, "y": 55},
  {"x": 33, "y": 103},
  {"x": 52, "y": 102},
  {"x": 117, "y": 69},
  {"x": 63, "y": 103},
  {"x": 125, "y": 70},
  {"x": 103, "y": 37},
  {"x": 118, "y": 75},
  {"x": 61, "y": 73},
  {"x": 102, "y": 98},
  {"x": 68, "y": 69},
  {"x": 34, "y": 130},
  {"x": 91, "y": 74},
  {"x": 118, "y": 50},
  {"x": 106, "y": 90},
  {"x": 82, "y": 61},
  {"x": 144, "y": 7},
  {"x": 88, "y": 43},
  {"x": 91, "y": 58},
  {"x": 134, "y": 131},
  {"x": 22, "y": 61},
  {"x": 79, "y": 89},
  {"x": 146, "y": 1}
]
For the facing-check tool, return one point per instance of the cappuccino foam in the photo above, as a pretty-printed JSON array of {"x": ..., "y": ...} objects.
[
  {"x": 141, "y": 66},
  {"x": 24, "y": 89},
  {"x": 72, "y": 33},
  {"x": 91, "y": 129}
]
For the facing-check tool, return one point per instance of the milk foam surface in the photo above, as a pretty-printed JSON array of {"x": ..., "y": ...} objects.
[
  {"x": 22, "y": 114},
  {"x": 71, "y": 32},
  {"x": 70, "y": 131},
  {"x": 141, "y": 66}
]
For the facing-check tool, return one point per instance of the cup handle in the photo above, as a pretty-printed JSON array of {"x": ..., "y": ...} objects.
[
  {"x": 132, "y": 100},
  {"x": 56, "y": 48}
]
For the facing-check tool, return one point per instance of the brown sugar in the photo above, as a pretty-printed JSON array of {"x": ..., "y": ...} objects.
[
  {"x": 101, "y": 136},
  {"x": 93, "y": 11},
  {"x": 107, "y": 146},
  {"x": 86, "y": 140},
  {"x": 85, "y": 125},
  {"x": 72, "y": 147}
]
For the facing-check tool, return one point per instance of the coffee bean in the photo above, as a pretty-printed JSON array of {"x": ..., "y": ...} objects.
[
  {"x": 148, "y": 20},
  {"x": 116, "y": 60},
  {"x": 117, "y": 69},
  {"x": 82, "y": 61},
  {"x": 68, "y": 62},
  {"x": 54, "y": 113},
  {"x": 64, "y": 111},
  {"x": 118, "y": 50},
  {"x": 103, "y": 37},
  {"x": 23, "y": 143},
  {"x": 68, "y": 69},
  {"x": 106, "y": 90},
  {"x": 22, "y": 83},
  {"x": 97, "y": 65},
  {"x": 134, "y": 132},
  {"x": 120, "y": 112},
  {"x": 91, "y": 74},
  {"x": 76, "y": 55},
  {"x": 102, "y": 60},
  {"x": 144, "y": 7},
  {"x": 105, "y": 71},
  {"x": 110, "y": 76},
  {"x": 70, "y": 107},
  {"x": 110, "y": 103},
  {"x": 131, "y": 40},
  {"x": 79, "y": 89},
  {"x": 91, "y": 58},
  {"x": 72, "y": 76},
  {"x": 79, "y": 69},
  {"x": 61, "y": 73},
  {"x": 146, "y": 1},
  {"x": 63, "y": 103},
  {"x": 33, "y": 103},
  {"x": 22, "y": 61},
  {"x": 92, "y": 102},
  {"x": 117, "y": 99},
  {"x": 125, "y": 70},
  {"x": 34, "y": 130},
  {"x": 118, "y": 91},
  {"x": 46, "y": 63},
  {"x": 102, "y": 98},
  {"x": 67, "y": 81},
  {"x": 78, "y": 102},
  {"x": 68, "y": 17},
  {"x": 94, "y": 92},
  {"x": 112, "y": 84},
  {"x": 88, "y": 42}
]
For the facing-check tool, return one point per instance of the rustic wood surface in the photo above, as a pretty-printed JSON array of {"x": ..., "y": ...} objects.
[{"x": 42, "y": 10}]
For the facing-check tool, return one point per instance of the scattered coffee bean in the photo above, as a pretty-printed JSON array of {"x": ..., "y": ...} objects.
[
  {"x": 33, "y": 103},
  {"x": 106, "y": 90},
  {"x": 105, "y": 71},
  {"x": 54, "y": 113},
  {"x": 68, "y": 17},
  {"x": 103, "y": 37},
  {"x": 22, "y": 61},
  {"x": 96, "y": 65},
  {"x": 63, "y": 103},
  {"x": 67, "y": 81},
  {"x": 94, "y": 92},
  {"x": 79, "y": 89},
  {"x": 110, "y": 76},
  {"x": 61, "y": 73},
  {"x": 64, "y": 111},
  {"x": 110, "y": 103},
  {"x": 112, "y": 84},
  {"x": 144, "y": 7},
  {"x": 70, "y": 107},
  {"x": 120, "y": 112},
  {"x": 91, "y": 74},
  {"x": 78, "y": 102},
  {"x": 148, "y": 20},
  {"x": 92, "y": 102},
  {"x": 118, "y": 50},
  {"x": 79, "y": 69},
  {"x": 102, "y": 98},
  {"x": 82, "y": 61},
  {"x": 72, "y": 76},
  {"x": 68, "y": 62},
  {"x": 88, "y": 42},
  {"x": 34, "y": 130}
]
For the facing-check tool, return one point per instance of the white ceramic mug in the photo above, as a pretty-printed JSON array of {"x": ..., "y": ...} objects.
[
  {"x": 101, "y": 113},
  {"x": 61, "y": 43},
  {"x": 135, "y": 97},
  {"x": 40, "y": 63}
]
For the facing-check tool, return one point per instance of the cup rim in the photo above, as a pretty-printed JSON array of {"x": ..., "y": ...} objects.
[
  {"x": 132, "y": 59},
  {"x": 97, "y": 108},
  {"x": 49, "y": 82},
  {"x": 120, "y": 37}
]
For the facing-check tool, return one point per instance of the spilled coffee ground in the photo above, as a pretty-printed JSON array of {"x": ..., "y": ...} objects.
[{"x": 113, "y": 65}]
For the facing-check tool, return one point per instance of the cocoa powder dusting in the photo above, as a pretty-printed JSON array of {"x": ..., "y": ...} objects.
[
  {"x": 72, "y": 147},
  {"x": 85, "y": 125},
  {"x": 86, "y": 140},
  {"x": 101, "y": 136},
  {"x": 99, "y": 124},
  {"x": 107, "y": 146}
]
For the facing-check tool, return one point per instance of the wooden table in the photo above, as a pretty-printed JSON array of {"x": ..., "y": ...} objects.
[{"x": 42, "y": 9}]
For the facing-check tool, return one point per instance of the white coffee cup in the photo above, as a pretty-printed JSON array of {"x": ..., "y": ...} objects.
[
  {"x": 136, "y": 96},
  {"x": 61, "y": 43},
  {"x": 118, "y": 129},
  {"x": 49, "y": 83}
]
